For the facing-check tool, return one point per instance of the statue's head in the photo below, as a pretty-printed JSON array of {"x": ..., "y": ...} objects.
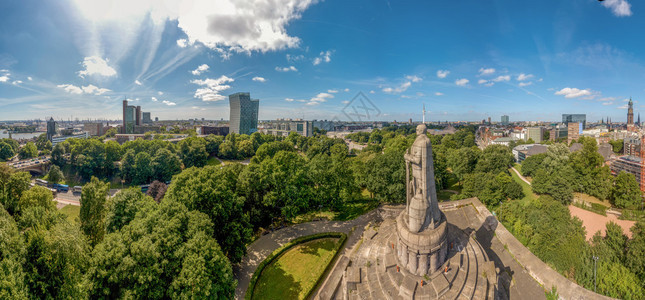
[{"x": 421, "y": 129}]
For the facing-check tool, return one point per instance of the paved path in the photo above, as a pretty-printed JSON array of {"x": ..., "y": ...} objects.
[
  {"x": 266, "y": 244},
  {"x": 520, "y": 175},
  {"x": 594, "y": 222}
]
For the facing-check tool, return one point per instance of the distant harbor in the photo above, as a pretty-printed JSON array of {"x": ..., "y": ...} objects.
[{"x": 4, "y": 134}]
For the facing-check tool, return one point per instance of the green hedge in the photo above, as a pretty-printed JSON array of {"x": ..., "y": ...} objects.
[
  {"x": 632, "y": 215},
  {"x": 276, "y": 254}
]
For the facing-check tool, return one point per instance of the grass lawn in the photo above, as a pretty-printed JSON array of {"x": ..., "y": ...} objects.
[
  {"x": 590, "y": 199},
  {"x": 296, "y": 271},
  {"x": 71, "y": 212},
  {"x": 213, "y": 161},
  {"x": 528, "y": 192},
  {"x": 349, "y": 211}
]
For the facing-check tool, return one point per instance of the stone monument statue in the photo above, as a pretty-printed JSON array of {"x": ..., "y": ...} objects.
[{"x": 421, "y": 227}]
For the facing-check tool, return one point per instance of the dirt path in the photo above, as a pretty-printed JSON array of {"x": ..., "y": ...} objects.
[
  {"x": 594, "y": 222},
  {"x": 520, "y": 176}
]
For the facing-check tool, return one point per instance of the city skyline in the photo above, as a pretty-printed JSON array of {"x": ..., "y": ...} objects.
[{"x": 468, "y": 62}]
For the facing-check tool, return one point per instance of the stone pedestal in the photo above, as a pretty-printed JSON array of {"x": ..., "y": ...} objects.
[{"x": 422, "y": 252}]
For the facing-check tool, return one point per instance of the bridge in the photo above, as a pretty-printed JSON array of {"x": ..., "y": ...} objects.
[{"x": 35, "y": 166}]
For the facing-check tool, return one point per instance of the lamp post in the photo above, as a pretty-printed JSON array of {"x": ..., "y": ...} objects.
[{"x": 595, "y": 258}]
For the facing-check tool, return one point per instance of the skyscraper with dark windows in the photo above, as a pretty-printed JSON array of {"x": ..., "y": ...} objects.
[
  {"x": 243, "y": 113},
  {"x": 51, "y": 129},
  {"x": 575, "y": 118}
]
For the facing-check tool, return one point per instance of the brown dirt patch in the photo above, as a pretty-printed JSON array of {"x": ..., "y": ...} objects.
[{"x": 594, "y": 222}]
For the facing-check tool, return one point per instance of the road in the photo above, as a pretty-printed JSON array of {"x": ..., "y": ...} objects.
[{"x": 70, "y": 198}]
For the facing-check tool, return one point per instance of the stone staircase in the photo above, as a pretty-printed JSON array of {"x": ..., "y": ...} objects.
[{"x": 373, "y": 271}]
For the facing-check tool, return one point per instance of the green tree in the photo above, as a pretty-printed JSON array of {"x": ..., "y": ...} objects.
[
  {"x": 211, "y": 190},
  {"x": 532, "y": 163},
  {"x": 615, "y": 280},
  {"x": 28, "y": 151},
  {"x": 12, "y": 186},
  {"x": 124, "y": 206},
  {"x": 245, "y": 149},
  {"x": 128, "y": 170},
  {"x": 58, "y": 153},
  {"x": 463, "y": 161},
  {"x": 55, "y": 175},
  {"x": 268, "y": 150},
  {"x": 6, "y": 152},
  {"x": 495, "y": 159},
  {"x": 55, "y": 262},
  {"x": 193, "y": 152},
  {"x": 626, "y": 193},
  {"x": 635, "y": 254},
  {"x": 143, "y": 168},
  {"x": 180, "y": 258},
  {"x": 165, "y": 164},
  {"x": 93, "y": 211},
  {"x": 12, "y": 257},
  {"x": 617, "y": 146},
  {"x": 386, "y": 177}
]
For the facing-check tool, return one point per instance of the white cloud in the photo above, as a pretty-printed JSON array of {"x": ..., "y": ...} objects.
[
  {"x": 154, "y": 99},
  {"x": 482, "y": 81},
  {"x": 525, "y": 83},
  {"x": 294, "y": 58},
  {"x": 95, "y": 65},
  {"x": 137, "y": 82},
  {"x": 201, "y": 69},
  {"x": 29, "y": 78},
  {"x": 223, "y": 25},
  {"x": 17, "y": 82},
  {"x": 288, "y": 99},
  {"x": 438, "y": 94},
  {"x": 321, "y": 97},
  {"x": 212, "y": 88},
  {"x": 372, "y": 92},
  {"x": 400, "y": 89},
  {"x": 344, "y": 102},
  {"x": 483, "y": 71},
  {"x": 346, "y": 90},
  {"x": 286, "y": 69},
  {"x": 502, "y": 78},
  {"x": 259, "y": 79},
  {"x": 324, "y": 56},
  {"x": 332, "y": 91},
  {"x": 166, "y": 102},
  {"x": 573, "y": 92},
  {"x": 88, "y": 89},
  {"x": 160, "y": 93},
  {"x": 608, "y": 103},
  {"x": 182, "y": 43},
  {"x": 442, "y": 73},
  {"x": 523, "y": 77},
  {"x": 607, "y": 99},
  {"x": 462, "y": 82},
  {"x": 623, "y": 106},
  {"x": 4, "y": 78},
  {"x": 413, "y": 78},
  {"x": 620, "y": 8}
]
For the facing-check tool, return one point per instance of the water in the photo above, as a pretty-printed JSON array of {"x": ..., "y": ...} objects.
[{"x": 19, "y": 136}]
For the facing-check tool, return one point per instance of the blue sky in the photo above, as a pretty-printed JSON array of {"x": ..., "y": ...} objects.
[{"x": 465, "y": 60}]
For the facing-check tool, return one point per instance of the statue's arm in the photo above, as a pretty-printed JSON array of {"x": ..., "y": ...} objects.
[{"x": 412, "y": 157}]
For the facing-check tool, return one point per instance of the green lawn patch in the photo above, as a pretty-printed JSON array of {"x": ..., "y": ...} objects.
[
  {"x": 294, "y": 270},
  {"x": 348, "y": 211},
  {"x": 213, "y": 161},
  {"x": 528, "y": 192},
  {"x": 71, "y": 212}
]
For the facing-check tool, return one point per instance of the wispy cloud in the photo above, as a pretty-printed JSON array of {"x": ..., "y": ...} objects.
[
  {"x": 201, "y": 69},
  {"x": 620, "y": 8},
  {"x": 137, "y": 82},
  {"x": 88, "y": 89},
  {"x": 442, "y": 73},
  {"x": 324, "y": 56},
  {"x": 523, "y": 77},
  {"x": 502, "y": 78},
  {"x": 462, "y": 82},
  {"x": 259, "y": 79},
  {"x": 212, "y": 88},
  {"x": 166, "y": 102},
  {"x": 94, "y": 65},
  {"x": 286, "y": 69},
  {"x": 486, "y": 71},
  {"x": 574, "y": 93}
]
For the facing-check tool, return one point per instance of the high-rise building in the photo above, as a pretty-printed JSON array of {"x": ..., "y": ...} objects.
[
  {"x": 138, "y": 116},
  {"x": 146, "y": 118},
  {"x": 575, "y": 118},
  {"x": 243, "y": 113},
  {"x": 51, "y": 129},
  {"x": 505, "y": 120},
  {"x": 535, "y": 133},
  {"x": 574, "y": 131},
  {"x": 489, "y": 121}
]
